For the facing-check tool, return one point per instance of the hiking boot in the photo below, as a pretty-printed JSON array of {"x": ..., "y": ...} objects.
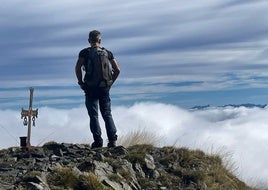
[
  {"x": 96, "y": 144},
  {"x": 111, "y": 144},
  {"x": 112, "y": 141}
]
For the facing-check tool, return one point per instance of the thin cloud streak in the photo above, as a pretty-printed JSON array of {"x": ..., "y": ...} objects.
[{"x": 134, "y": 90}]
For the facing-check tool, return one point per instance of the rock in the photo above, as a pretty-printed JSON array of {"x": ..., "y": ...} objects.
[
  {"x": 36, "y": 182},
  {"x": 36, "y": 186},
  {"x": 76, "y": 171},
  {"x": 99, "y": 157},
  {"x": 139, "y": 170},
  {"x": 127, "y": 168},
  {"x": 203, "y": 186},
  {"x": 149, "y": 161},
  {"x": 163, "y": 188},
  {"x": 156, "y": 174},
  {"x": 6, "y": 186},
  {"x": 58, "y": 152},
  {"x": 102, "y": 169},
  {"x": 35, "y": 153},
  {"x": 119, "y": 151},
  {"x": 112, "y": 185}
]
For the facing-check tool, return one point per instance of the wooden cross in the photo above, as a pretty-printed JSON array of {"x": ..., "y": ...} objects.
[{"x": 29, "y": 117}]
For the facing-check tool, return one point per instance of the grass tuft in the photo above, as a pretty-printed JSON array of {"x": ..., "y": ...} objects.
[
  {"x": 66, "y": 178},
  {"x": 88, "y": 182},
  {"x": 139, "y": 137}
]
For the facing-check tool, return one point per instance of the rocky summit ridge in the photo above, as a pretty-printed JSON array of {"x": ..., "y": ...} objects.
[{"x": 76, "y": 166}]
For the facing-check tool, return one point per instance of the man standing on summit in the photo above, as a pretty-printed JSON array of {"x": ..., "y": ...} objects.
[{"x": 101, "y": 71}]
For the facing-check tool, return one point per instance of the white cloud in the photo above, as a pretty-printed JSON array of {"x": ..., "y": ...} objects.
[{"x": 241, "y": 131}]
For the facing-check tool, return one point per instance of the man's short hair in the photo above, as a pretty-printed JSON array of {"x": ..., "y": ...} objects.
[{"x": 94, "y": 36}]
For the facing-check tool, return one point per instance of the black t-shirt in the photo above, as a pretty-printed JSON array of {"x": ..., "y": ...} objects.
[{"x": 84, "y": 54}]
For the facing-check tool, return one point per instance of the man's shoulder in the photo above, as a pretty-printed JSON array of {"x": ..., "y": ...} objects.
[
  {"x": 85, "y": 49},
  {"x": 84, "y": 52}
]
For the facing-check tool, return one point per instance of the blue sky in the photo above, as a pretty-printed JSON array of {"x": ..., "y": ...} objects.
[{"x": 180, "y": 52}]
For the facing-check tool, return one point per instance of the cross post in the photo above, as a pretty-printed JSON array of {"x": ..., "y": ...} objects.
[{"x": 29, "y": 117}]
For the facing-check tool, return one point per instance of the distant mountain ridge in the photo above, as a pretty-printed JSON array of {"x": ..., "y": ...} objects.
[{"x": 247, "y": 105}]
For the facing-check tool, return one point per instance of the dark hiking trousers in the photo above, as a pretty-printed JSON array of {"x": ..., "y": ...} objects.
[{"x": 99, "y": 97}]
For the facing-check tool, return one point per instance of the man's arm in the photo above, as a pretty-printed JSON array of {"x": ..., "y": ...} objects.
[
  {"x": 116, "y": 69},
  {"x": 78, "y": 70}
]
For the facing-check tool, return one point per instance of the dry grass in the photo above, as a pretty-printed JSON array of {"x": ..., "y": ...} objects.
[
  {"x": 139, "y": 137},
  {"x": 67, "y": 178}
]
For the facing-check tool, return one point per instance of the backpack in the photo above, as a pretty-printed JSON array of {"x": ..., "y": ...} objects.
[{"x": 98, "y": 68}]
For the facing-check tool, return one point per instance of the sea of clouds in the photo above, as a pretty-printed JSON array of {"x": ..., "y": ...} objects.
[{"x": 240, "y": 133}]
